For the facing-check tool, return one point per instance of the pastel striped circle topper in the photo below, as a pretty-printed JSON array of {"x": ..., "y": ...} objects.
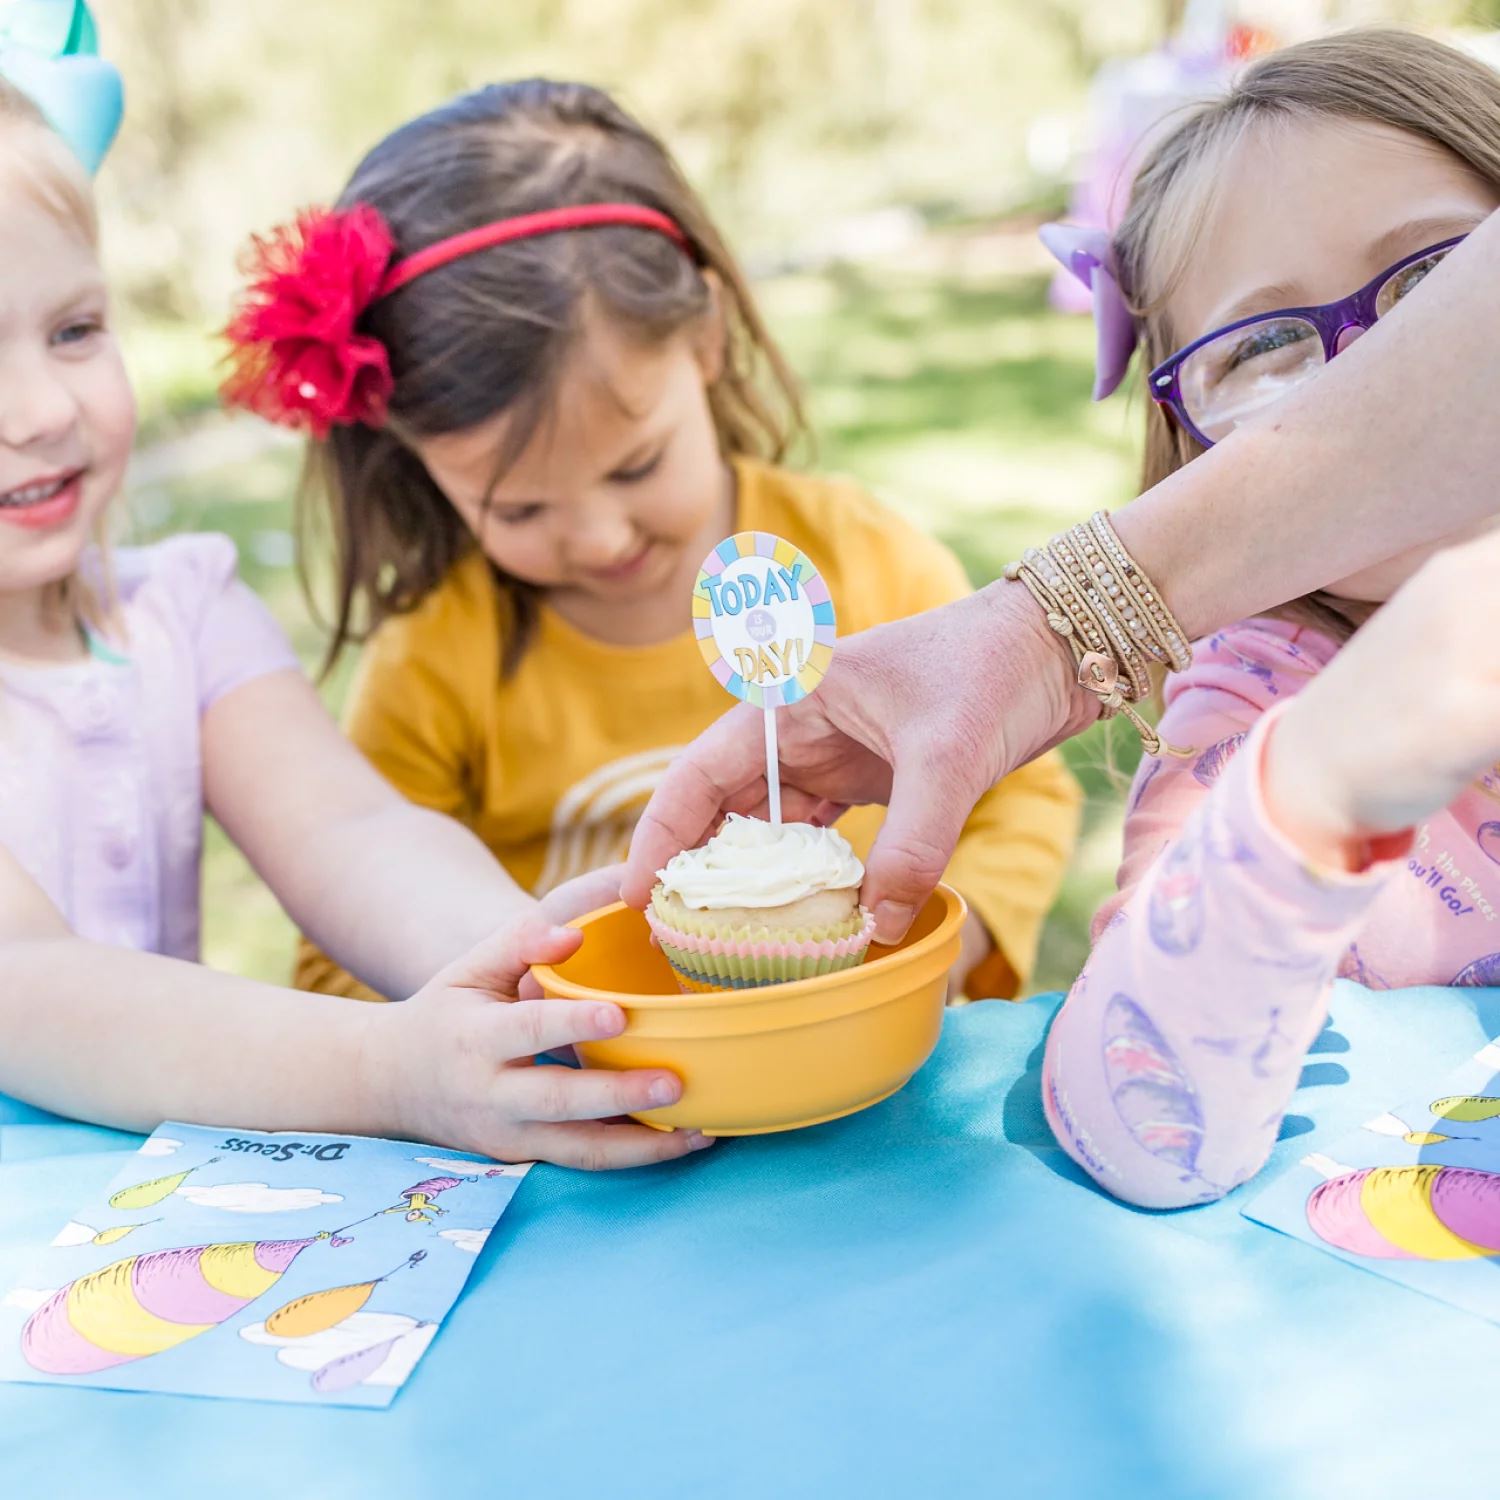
[{"x": 763, "y": 618}]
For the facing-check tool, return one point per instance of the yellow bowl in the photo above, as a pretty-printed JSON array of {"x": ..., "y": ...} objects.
[{"x": 775, "y": 1058}]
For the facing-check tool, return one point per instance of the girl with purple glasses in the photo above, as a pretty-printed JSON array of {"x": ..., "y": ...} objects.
[{"x": 1328, "y": 801}]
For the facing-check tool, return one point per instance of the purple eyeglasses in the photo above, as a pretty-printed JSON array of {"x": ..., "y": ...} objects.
[{"x": 1217, "y": 381}]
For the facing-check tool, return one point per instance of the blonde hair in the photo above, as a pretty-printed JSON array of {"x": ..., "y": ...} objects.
[
  {"x": 41, "y": 165},
  {"x": 1378, "y": 77},
  {"x": 38, "y": 163}
]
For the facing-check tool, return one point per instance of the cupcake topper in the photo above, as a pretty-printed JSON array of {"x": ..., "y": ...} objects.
[{"x": 765, "y": 626}]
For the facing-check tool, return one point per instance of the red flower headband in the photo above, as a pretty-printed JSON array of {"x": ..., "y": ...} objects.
[{"x": 295, "y": 357}]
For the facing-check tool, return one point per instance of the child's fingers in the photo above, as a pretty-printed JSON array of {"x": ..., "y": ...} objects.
[
  {"x": 524, "y": 1028},
  {"x": 550, "y": 1094},
  {"x": 497, "y": 963},
  {"x": 602, "y": 1148},
  {"x": 583, "y": 894}
]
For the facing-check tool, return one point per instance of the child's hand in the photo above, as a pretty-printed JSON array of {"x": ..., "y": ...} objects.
[
  {"x": 582, "y": 894},
  {"x": 454, "y": 1065},
  {"x": 1403, "y": 719},
  {"x": 976, "y": 945}
]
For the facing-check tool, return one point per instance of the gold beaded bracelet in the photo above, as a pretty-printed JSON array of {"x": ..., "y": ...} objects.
[{"x": 1114, "y": 619}]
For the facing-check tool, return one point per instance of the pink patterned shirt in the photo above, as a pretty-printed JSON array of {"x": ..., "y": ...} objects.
[
  {"x": 1170, "y": 1065},
  {"x": 101, "y": 777}
]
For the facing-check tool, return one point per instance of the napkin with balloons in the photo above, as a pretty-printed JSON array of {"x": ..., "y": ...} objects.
[
  {"x": 274, "y": 1267},
  {"x": 1414, "y": 1195}
]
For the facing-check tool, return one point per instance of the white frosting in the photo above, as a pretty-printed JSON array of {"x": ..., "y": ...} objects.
[{"x": 749, "y": 863}]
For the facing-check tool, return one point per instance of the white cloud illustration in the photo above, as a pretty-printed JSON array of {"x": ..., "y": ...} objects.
[
  {"x": 159, "y": 1145},
  {"x": 470, "y": 1241},
  {"x": 27, "y": 1298},
  {"x": 361, "y": 1330},
  {"x": 1325, "y": 1166},
  {"x": 255, "y": 1197},
  {"x": 1388, "y": 1124},
  {"x": 453, "y": 1167},
  {"x": 74, "y": 1233},
  {"x": 1489, "y": 1054}
]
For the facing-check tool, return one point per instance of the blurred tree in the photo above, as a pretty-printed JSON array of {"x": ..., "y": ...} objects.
[{"x": 790, "y": 114}]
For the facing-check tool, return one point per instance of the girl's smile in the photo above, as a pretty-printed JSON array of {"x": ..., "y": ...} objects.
[
  {"x": 67, "y": 416},
  {"x": 43, "y": 503}
]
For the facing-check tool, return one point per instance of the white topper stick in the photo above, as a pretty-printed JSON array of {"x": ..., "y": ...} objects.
[
  {"x": 764, "y": 622},
  {"x": 773, "y": 769}
]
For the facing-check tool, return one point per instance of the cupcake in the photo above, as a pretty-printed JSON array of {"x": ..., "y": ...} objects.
[{"x": 761, "y": 905}]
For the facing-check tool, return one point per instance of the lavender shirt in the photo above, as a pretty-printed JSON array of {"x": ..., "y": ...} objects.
[{"x": 101, "y": 775}]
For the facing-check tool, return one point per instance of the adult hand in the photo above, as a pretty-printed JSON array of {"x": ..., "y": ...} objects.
[
  {"x": 455, "y": 1065},
  {"x": 924, "y": 714},
  {"x": 1350, "y": 760}
]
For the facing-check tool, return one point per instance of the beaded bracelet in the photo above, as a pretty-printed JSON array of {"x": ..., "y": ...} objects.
[{"x": 1114, "y": 619}]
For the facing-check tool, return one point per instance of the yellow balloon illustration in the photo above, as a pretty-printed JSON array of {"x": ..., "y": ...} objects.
[
  {"x": 149, "y": 1194},
  {"x": 1467, "y": 1108},
  {"x": 119, "y": 1231}
]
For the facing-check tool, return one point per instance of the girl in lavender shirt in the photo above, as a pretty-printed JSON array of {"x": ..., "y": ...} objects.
[
  {"x": 138, "y": 688},
  {"x": 1338, "y": 810}
]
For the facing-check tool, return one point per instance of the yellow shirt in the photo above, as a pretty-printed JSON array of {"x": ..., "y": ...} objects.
[{"x": 552, "y": 766}]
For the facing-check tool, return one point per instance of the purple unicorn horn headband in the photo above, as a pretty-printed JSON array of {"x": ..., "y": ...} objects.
[{"x": 1089, "y": 255}]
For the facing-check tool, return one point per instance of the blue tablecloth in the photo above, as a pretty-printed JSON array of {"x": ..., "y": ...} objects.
[{"x": 926, "y": 1299}]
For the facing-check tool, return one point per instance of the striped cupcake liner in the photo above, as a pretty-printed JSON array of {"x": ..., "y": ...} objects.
[{"x": 704, "y": 963}]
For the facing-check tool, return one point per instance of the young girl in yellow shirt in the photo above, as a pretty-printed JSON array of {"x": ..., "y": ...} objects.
[{"x": 539, "y": 392}]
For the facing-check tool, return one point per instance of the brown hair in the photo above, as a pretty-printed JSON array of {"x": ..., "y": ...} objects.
[
  {"x": 489, "y": 332},
  {"x": 1393, "y": 78}
]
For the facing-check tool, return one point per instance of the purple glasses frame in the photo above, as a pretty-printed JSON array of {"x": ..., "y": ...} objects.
[{"x": 1331, "y": 319}]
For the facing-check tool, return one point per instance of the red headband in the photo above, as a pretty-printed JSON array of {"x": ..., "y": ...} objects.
[{"x": 295, "y": 357}]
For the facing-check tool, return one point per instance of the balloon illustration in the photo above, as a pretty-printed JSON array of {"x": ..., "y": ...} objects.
[
  {"x": 149, "y": 1194},
  {"x": 1175, "y": 912},
  {"x": 1483, "y": 973},
  {"x": 1154, "y": 1097},
  {"x": 1419, "y": 1212},
  {"x": 319, "y": 1311},
  {"x": 1468, "y": 1108},
  {"x": 1394, "y": 1125},
  {"x": 349, "y": 1369},
  {"x": 1211, "y": 764},
  {"x": 76, "y": 1233},
  {"x": 1487, "y": 836},
  {"x": 118, "y": 1232},
  {"x": 148, "y": 1303}
]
